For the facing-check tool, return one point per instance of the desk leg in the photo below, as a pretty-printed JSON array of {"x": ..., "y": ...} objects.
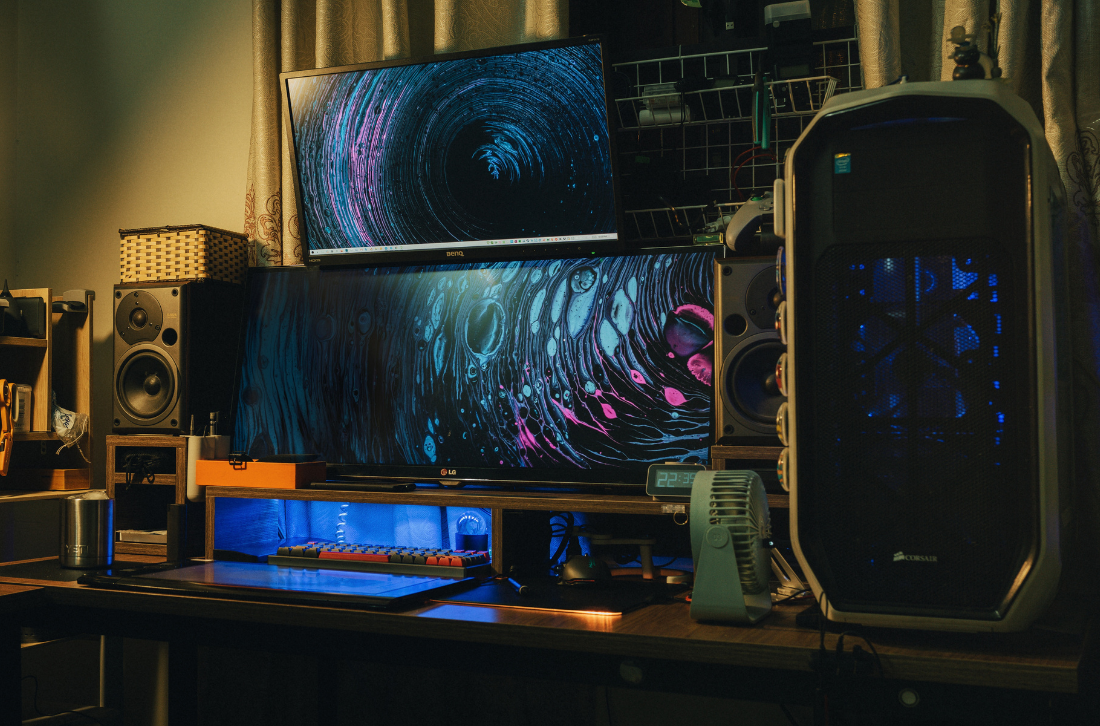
[
  {"x": 183, "y": 685},
  {"x": 11, "y": 672},
  {"x": 110, "y": 672}
]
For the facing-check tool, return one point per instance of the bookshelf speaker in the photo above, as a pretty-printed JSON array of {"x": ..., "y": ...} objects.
[
  {"x": 747, "y": 348},
  {"x": 175, "y": 347}
]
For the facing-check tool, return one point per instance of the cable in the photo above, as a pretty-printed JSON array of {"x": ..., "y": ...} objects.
[
  {"x": 607, "y": 705},
  {"x": 787, "y": 713},
  {"x": 565, "y": 537},
  {"x": 821, "y": 697},
  {"x": 748, "y": 151},
  {"x": 840, "y": 648},
  {"x": 790, "y": 597},
  {"x": 733, "y": 176},
  {"x": 34, "y": 702},
  {"x": 821, "y": 626},
  {"x": 139, "y": 467}
]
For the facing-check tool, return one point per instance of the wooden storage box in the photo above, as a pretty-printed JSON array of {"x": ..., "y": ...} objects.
[
  {"x": 48, "y": 479},
  {"x": 144, "y": 505},
  {"x": 265, "y": 474},
  {"x": 188, "y": 252}
]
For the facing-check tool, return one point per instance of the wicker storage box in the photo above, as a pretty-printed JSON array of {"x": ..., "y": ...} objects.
[{"x": 187, "y": 252}]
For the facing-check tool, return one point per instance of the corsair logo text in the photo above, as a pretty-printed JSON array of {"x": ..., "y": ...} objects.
[
  {"x": 902, "y": 557},
  {"x": 448, "y": 472},
  {"x": 456, "y": 253}
]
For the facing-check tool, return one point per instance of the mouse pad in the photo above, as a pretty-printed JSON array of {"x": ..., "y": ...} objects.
[
  {"x": 612, "y": 598},
  {"x": 304, "y": 585}
]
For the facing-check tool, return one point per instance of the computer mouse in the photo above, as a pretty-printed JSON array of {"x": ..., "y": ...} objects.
[{"x": 584, "y": 570}]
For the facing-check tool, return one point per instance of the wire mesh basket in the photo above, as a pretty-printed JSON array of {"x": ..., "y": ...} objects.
[{"x": 687, "y": 155}]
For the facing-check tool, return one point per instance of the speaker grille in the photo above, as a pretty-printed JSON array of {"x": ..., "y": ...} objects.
[
  {"x": 918, "y": 483},
  {"x": 146, "y": 385},
  {"x": 750, "y": 382},
  {"x": 738, "y": 502}
]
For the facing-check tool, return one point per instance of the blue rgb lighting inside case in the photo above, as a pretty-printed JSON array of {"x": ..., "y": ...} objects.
[
  {"x": 534, "y": 370},
  {"x": 941, "y": 293},
  {"x": 505, "y": 148}
]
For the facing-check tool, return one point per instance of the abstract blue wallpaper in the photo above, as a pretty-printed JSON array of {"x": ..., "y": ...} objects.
[
  {"x": 488, "y": 148},
  {"x": 602, "y": 363}
]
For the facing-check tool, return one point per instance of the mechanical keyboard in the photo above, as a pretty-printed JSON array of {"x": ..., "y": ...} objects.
[{"x": 426, "y": 561}]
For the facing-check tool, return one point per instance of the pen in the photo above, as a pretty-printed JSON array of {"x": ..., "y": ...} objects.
[{"x": 521, "y": 590}]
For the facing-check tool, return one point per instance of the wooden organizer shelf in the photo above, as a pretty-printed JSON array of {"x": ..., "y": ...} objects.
[
  {"x": 145, "y": 505},
  {"x": 36, "y": 436},
  {"x": 60, "y": 363},
  {"x": 439, "y": 497},
  {"x": 496, "y": 501},
  {"x": 723, "y": 453},
  {"x": 14, "y": 342}
]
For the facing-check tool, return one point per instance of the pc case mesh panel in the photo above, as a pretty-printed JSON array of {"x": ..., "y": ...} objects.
[{"x": 918, "y": 425}]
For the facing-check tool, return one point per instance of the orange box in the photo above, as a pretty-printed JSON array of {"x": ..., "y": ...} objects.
[{"x": 260, "y": 474}]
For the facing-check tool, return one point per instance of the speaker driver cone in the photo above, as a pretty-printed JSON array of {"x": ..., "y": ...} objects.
[
  {"x": 146, "y": 384},
  {"x": 750, "y": 384}
]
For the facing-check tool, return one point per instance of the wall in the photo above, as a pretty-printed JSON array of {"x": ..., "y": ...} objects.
[
  {"x": 129, "y": 114},
  {"x": 8, "y": 66}
]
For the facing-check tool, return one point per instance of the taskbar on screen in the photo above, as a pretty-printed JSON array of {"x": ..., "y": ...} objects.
[{"x": 566, "y": 239}]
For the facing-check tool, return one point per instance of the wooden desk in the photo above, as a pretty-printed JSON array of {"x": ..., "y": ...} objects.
[{"x": 659, "y": 644}]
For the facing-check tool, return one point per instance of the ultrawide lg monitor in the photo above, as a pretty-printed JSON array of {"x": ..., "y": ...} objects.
[{"x": 566, "y": 371}]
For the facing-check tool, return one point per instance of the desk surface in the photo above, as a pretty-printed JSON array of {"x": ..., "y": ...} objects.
[
  {"x": 18, "y": 495},
  {"x": 1037, "y": 660},
  {"x": 15, "y": 597}
]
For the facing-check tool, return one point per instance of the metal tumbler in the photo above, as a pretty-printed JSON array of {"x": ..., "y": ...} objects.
[{"x": 87, "y": 532}]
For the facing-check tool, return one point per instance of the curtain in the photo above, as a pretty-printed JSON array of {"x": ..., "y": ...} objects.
[
  {"x": 291, "y": 35},
  {"x": 1050, "y": 56}
]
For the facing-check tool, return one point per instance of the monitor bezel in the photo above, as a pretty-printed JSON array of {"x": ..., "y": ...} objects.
[
  {"x": 564, "y": 478},
  {"x": 473, "y": 253}
]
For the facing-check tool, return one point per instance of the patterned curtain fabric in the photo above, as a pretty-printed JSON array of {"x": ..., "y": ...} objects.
[
  {"x": 291, "y": 35},
  {"x": 1050, "y": 55}
]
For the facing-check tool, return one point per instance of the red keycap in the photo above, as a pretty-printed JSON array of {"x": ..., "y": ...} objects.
[{"x": 361, "y": 557}]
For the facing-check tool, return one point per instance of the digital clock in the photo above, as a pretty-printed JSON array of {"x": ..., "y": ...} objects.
[{"x": 671, "y": 479}]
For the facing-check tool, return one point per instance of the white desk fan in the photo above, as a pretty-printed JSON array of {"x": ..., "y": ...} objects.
[{"x": 730, "y": 529}]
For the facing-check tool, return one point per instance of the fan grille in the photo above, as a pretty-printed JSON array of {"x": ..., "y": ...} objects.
[{"x": 738, "y": 502}]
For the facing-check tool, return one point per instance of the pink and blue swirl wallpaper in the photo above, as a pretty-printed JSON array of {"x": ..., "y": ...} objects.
[
  {"x": 486, "y": 148},
  {"x": 603, "y": 364}
]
